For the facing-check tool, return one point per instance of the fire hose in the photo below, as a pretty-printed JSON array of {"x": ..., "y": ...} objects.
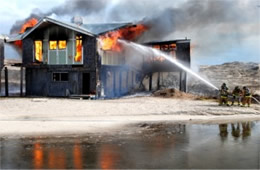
[
  {"x": 256, "y": 100},
  {"x": 251, "y": 97}
]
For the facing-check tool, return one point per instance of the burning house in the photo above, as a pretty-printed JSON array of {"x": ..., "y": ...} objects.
[{"x": 62, "y": 59}]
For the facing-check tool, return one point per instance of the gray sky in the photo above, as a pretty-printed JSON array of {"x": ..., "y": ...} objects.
[
  {"x": 12, "y": 10},
  {"x": 224, "y": 31}
]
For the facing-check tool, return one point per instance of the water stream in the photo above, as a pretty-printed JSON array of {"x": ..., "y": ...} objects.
[{"x": 149, "y": 50}]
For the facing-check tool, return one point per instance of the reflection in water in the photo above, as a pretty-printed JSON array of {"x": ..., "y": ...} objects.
[
  {"x": 38, "y": 156},
  {"x": 56, "y": 159},
  {"x": 108, "y": 156},
  {"x": 156, "y": 147},
  {"x": 246, "y": 129},
  {"x": 223, "y": 131},
  {"x": 236, "y": 131},
  {"x": 77, "y": 156},
  {"x": 51, "y": 159}
]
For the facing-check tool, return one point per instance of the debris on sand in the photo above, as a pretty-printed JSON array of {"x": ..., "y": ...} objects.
[{"x": 173, "y": 93}]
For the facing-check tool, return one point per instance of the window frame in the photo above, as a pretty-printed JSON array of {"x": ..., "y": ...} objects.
[
  {"x": 59, "y": 45},
  {"x": 50, "y": 45},
  {"x": 34, "y": 50},
  {"x": 60, "y": 80}
]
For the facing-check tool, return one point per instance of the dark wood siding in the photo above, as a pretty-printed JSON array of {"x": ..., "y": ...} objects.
[
  {"x": 1, "y": 54},
  {"x": 90, "y": 52},
  {"x": 27, "y": 51}
]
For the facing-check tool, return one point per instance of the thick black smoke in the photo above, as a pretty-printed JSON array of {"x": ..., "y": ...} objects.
[
  {"x": 18, "y": 24},
  {"x": 207, "y": 22},
  {"x": 69, "y": 8},
  {"x": 192, "y": 14},
  {"x": 80, "y": 7},
  {"x": 198, "y": 15}
]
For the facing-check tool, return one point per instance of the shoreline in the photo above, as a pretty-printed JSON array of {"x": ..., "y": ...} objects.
[{"x": 21, "y": 117}]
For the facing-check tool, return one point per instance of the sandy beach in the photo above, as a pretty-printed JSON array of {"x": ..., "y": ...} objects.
[{"x": 45, "y": 116}]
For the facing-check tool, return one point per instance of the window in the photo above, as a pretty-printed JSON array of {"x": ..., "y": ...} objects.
[
  {"x": 62, "y": 44},
  {"x": 38, "y": 50},
  {"x": 64, "y": 76},
  {"x": 60, "y": 77},
  {"x": 53, "y": 45}
]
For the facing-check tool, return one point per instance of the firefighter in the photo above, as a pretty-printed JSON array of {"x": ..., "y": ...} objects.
[
  {"x": 223, "y": 95},
  {"x": 237, "y": 93},
  {"x": 246, "y": 96}
]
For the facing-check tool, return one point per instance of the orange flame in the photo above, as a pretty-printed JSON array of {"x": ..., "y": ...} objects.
[
  {"x": 109, "y": 40},
  {"x": 78, "y": 56},
  {"x": 30, "y": 23},
  {"x": 38, "y": 50},
  {"x": 18, "y": 43}
]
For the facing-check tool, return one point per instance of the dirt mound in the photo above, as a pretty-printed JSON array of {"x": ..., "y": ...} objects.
[{"x": 173, "y": 93}]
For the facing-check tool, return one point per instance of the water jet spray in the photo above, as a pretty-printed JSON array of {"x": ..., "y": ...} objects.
[{"x": 148, "y": 50}]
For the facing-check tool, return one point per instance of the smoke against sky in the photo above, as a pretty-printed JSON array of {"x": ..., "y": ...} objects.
[{"x": 220, "y": 30}]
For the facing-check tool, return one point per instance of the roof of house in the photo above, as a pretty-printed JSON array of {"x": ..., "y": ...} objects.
[
  {"x": 87, "y": 29},
  {"x": 103, "y": 28}
]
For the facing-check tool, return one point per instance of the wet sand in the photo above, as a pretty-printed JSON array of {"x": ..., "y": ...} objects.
[{"x": 30, "y": 116}]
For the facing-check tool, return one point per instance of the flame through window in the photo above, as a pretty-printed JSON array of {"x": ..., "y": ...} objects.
[
  {"x": 38, "y": 50},
  {"x": 61, "y": 44},
  {"x": 78, "y": 56},
  {"x": 53, "y": 45}
]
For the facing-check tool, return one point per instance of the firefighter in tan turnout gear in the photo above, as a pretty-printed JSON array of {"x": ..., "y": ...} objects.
[
  {"x": 223, "y": 95},
  {"x": 236, "y": 95},
  {"x": 246, "y": 96}
]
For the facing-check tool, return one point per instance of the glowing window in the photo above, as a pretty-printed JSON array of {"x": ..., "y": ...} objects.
[
  {"x": 38, "y": 50},
  {"x": 172, "y": 46},
  {"x": 78, "y": 57},
  {"x": 62, "y": 44},
  {"x": 157, "y": 47},
  {"x": 53, "y": 45}
]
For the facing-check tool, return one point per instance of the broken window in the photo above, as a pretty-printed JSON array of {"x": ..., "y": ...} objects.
[
  {"x": 78, "y": 56},
  {"x": 38, "y": 50},
  {"x": 62, "y": 44},
  {"x": 53, "y": 45},
  {"x": 172, "y": 47},
  {"x": 60, "y": 77}
]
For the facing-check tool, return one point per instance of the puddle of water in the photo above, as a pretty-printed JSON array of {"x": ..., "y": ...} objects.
[{"x": 151, "y": 146}]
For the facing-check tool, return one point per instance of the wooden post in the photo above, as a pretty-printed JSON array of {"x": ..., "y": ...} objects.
[
  {"x": 6, "y": 82},
  {"x": 151, "y": 82},
  {"x": 0, "y": 80},
  {"x": 158, "y": 81},
  {"x": 127, "y": 81},
  {"x": 132, "y": 83},
  {"x": 104, "y": 82},
  {"x": 183, "y": 79},
  {"x": 21, "y": 82},
  {"x": 120, "y": 82},
  {"x": 114, "y": 83}
]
